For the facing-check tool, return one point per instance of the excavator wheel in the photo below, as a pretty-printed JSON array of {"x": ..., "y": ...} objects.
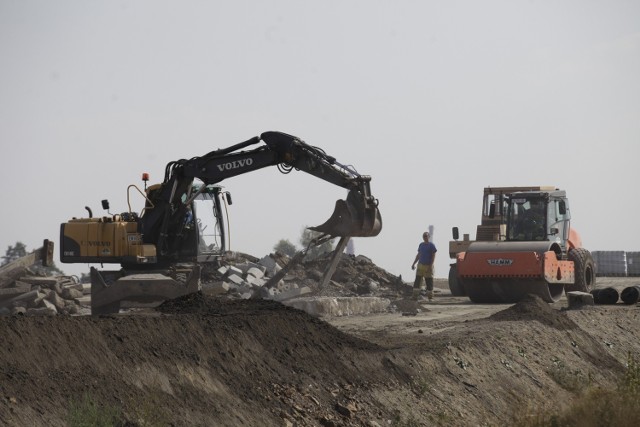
[
  {"x": 455, "y": 284},
  {"x": 585, "y": 272}
]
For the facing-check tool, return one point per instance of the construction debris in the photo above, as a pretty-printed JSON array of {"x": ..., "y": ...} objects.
[
  {"x": 23, "y": 292},
  {"x": 358, "y": 286},
  {"x": 249, "y": 277},
  {"x": 33, "y": 295}
]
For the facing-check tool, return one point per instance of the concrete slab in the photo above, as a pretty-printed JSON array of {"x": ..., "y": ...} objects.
[
  {"x": 339, "y": 306},
  {"x": 291, "y": 293},
  {"x": 578, "y": 299}
]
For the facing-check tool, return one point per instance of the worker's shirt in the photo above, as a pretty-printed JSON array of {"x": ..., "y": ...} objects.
[{"x": 426, "y": 251}]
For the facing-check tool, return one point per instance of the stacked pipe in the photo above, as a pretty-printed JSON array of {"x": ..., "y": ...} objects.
[
  {"x": 605, "y": 296},
  {"x": 631, "y": 294}
]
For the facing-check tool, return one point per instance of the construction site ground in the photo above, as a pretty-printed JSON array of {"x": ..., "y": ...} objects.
[{"x": 211, "y": 361}]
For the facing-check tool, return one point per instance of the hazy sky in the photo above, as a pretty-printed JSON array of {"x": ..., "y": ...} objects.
[{"x": 434, "y": 99}]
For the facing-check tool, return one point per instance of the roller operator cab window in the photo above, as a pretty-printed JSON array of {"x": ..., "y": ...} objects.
[{"x": 527, "y": 220}]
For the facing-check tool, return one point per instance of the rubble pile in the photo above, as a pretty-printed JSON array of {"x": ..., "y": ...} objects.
[
  {"x": 357, "y": 285},
  {"x": 33, "y": 295},
  {"x": 244, "y": 276}
]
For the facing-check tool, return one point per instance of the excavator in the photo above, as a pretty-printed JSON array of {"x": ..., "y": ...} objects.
[
  {"x": 539, "y": 252},
  {"x": 183, "y": 226}
]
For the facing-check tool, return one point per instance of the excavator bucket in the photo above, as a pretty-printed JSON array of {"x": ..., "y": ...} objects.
[{"x": 353, "y": 217}]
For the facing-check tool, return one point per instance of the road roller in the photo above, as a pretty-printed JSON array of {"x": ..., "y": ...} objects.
[{"x": 539, "y": 253}]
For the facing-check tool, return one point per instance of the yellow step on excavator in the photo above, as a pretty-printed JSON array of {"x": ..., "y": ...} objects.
[
  {"x": 183, "y": 227},
  {"x": 532, "y": 250}
]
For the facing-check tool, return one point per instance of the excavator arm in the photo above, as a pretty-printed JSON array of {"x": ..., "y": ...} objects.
[{"x": 357, "y": 216}]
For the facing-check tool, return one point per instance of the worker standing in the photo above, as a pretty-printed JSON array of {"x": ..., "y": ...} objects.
[{"x": 424, "y": 258}]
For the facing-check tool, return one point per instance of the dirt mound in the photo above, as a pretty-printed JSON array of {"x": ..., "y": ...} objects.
[
  {"x": 199, "y": 361},
  {"x": 202, "y": 361},
  {"x": 532, "y": 307},
  {"x": 205, "y": 305}
]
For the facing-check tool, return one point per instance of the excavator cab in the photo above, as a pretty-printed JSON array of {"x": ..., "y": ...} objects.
[{"x": 204, "y": 233}]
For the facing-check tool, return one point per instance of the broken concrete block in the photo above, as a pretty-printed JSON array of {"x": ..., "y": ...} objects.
[
  {"x": 243, "y": 267},
  {"x": 42, "y": 281},
  {"x": 27, "y": 297},
  {"x": 16, "y": 311},
  {"x": 578, "y": 299},
  {"x": 258, "y": 266},
  {"x": 69, "y": 293},
  {"x": 373, "y": 286},
  {"x": 248, "y": 266},
  {"x": 235, "y": 270},
  {"x": 56, "y": 300},
  {"x": 223, "y": 270},
  {"x": 283, "y": 286},
  {"x": 270, "y": 265},
  {"x": 37, "y": 299},
  {"x": 215, "y": 288},
  {"x": 76, "y": 286},
  {"x": 57, "y": 288},
  {"x": 256, "y": 272},
  {"x": 254, "y": 281},
  {"x": 19, "y": 288},
  {"x": 85, "y": 300},
  {"x": 47, "y": 304},
  {"x": 235, "y": 278},
  {"x": 267, "y": 293}
]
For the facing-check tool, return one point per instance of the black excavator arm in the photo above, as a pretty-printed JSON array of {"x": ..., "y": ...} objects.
[{"x": 357, "y": 216}]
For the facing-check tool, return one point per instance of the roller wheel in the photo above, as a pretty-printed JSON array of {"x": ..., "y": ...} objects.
[
  {"x": 455, "y": 285},
  {"x": 585, "y": 271}
]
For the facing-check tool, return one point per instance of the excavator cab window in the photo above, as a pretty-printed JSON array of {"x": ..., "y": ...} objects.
[{"x": 210, "y": 220}]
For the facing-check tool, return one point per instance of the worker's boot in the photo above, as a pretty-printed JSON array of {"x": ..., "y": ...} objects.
[
  {"x": 417, "y": 284},
  {"x": 429, "y": 288}
]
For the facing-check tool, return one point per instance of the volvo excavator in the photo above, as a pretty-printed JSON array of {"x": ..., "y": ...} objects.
[
  {"x": 539, "y": 252},
  {"x": 182, "y": 228}
]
